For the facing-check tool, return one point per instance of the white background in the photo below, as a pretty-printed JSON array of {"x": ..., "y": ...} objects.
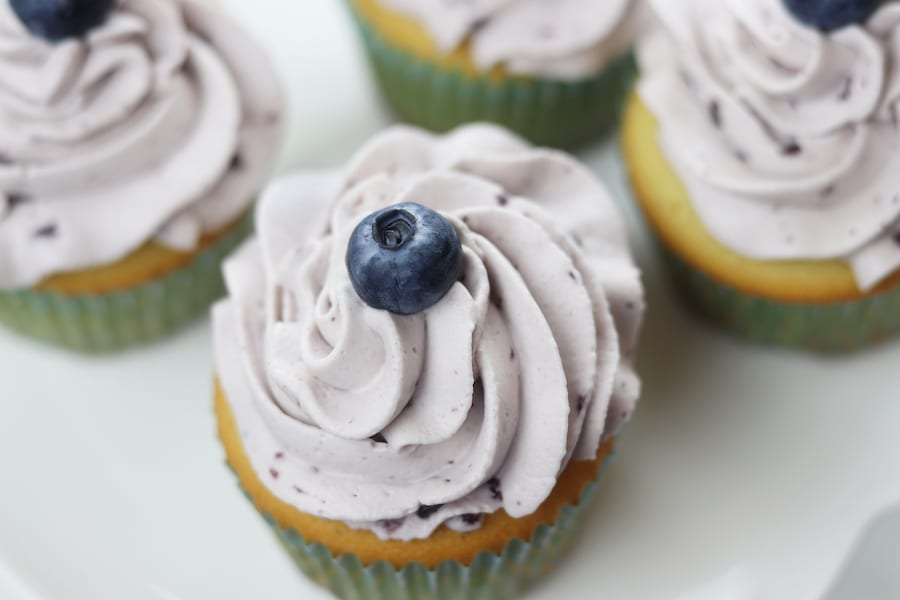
[{"x": 747, "y": 473}]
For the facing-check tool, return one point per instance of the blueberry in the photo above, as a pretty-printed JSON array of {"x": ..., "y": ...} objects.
[
  {"x": 56, "y": 20},
  {"x": 404, "y": 258},
  {"x": 472, "y": 519},
  {"x": 494, "y": 487},
  {"x": 828, "y": 15},
  {"x": 426, "y": 512}
]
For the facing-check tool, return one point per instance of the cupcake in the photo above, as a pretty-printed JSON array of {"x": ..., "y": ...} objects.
[
  {"x": 423, "y": 362},
  {"x": 554, "y": 71},
  {"x": 763, "y": 145},
  {"x": 134, "y": 136}
]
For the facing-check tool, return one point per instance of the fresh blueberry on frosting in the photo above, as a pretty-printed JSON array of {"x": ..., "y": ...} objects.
[
  {"x": 829, "y": 15},
  {"x": 404, "y": 258},
  {"x": 57, "y": 20}
]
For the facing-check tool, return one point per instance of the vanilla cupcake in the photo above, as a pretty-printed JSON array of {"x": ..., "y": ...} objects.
[
  {"x": 424, "y": 360},
  {"x": 764, "y": 146},
  {"x": 555, "y": 71},
  {"x": 134, "y": 136}
]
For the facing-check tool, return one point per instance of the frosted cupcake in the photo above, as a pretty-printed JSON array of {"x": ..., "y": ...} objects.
[
  {"x": 554, "y": 71},
  {"x": 134, "y": 137},
  {"x": 423, "y": 362},
  {"x": 763, "y": 147}
]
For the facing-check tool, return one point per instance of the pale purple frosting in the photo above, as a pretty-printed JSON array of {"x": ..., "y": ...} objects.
[
  {"x": 786, "y": 138},
  {"x": 560, "y": 39},
  {"x": 160, "y": 124},
  {"x": 399, "y": 424}
]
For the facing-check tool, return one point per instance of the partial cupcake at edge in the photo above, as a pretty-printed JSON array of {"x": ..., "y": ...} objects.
[
  {"x": 134, "y": 138},
  {"x": 554, "y": 71},
  {"x": 424, "y": 361},
  {"x": 764, "y": 147}
]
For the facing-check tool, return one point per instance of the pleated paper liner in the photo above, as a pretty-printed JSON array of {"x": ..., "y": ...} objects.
[
  {"x": 826, "y": 328},
  {"x": 549, "y": 113},
  {"x": 491, "y": 576},
  {"x": 116, "y": 320}
]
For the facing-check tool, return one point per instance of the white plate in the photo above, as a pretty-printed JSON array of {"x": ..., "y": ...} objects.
[{"x": 747, "y": 473}]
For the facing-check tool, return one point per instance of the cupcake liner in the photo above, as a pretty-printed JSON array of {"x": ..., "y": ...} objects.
[
  {"x": 490, "y": 576},
  {"x": 115, "y": 320},
  {"x": 549, "y": 113},
  {"x": 826, "y": 328}
]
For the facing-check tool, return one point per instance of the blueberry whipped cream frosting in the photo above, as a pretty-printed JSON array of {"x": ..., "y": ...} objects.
[
  {"x": 125, "y": 122},
  {"x": 432, "y": 334},
  {"x": 558, "y": 39},
  {"x": 781, "y": 118}
]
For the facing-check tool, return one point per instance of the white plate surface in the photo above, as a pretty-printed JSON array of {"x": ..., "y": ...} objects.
[{"x": 747, "y": 473}]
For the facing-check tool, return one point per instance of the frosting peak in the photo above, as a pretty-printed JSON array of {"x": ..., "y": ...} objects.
[
  {"x": 476, "y": 403},
  {"x": 786, "y": 137},
  {"x": 158, "y": 124}
]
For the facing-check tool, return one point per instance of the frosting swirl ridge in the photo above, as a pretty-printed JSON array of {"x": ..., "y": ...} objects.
[
  {"x": 786, "y": 137},
  {"x": 399, "y": 424},
  {"x": 157, "y": 125}
]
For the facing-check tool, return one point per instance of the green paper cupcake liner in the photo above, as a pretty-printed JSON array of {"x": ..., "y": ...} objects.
[
  {"x": 112, "y": 321},
  {"x": 825, "y": 328},
  {"x": 549, "y": 113},
  {"x": 490, "y": 576}
]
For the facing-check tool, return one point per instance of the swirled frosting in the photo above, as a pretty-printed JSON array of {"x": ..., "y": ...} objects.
[
  {"x": 400, "y": 424},
  {"x": 786, "y": 138},
  {"x": 158, "y": 125},
  {"x": 563, "y": 39}
]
